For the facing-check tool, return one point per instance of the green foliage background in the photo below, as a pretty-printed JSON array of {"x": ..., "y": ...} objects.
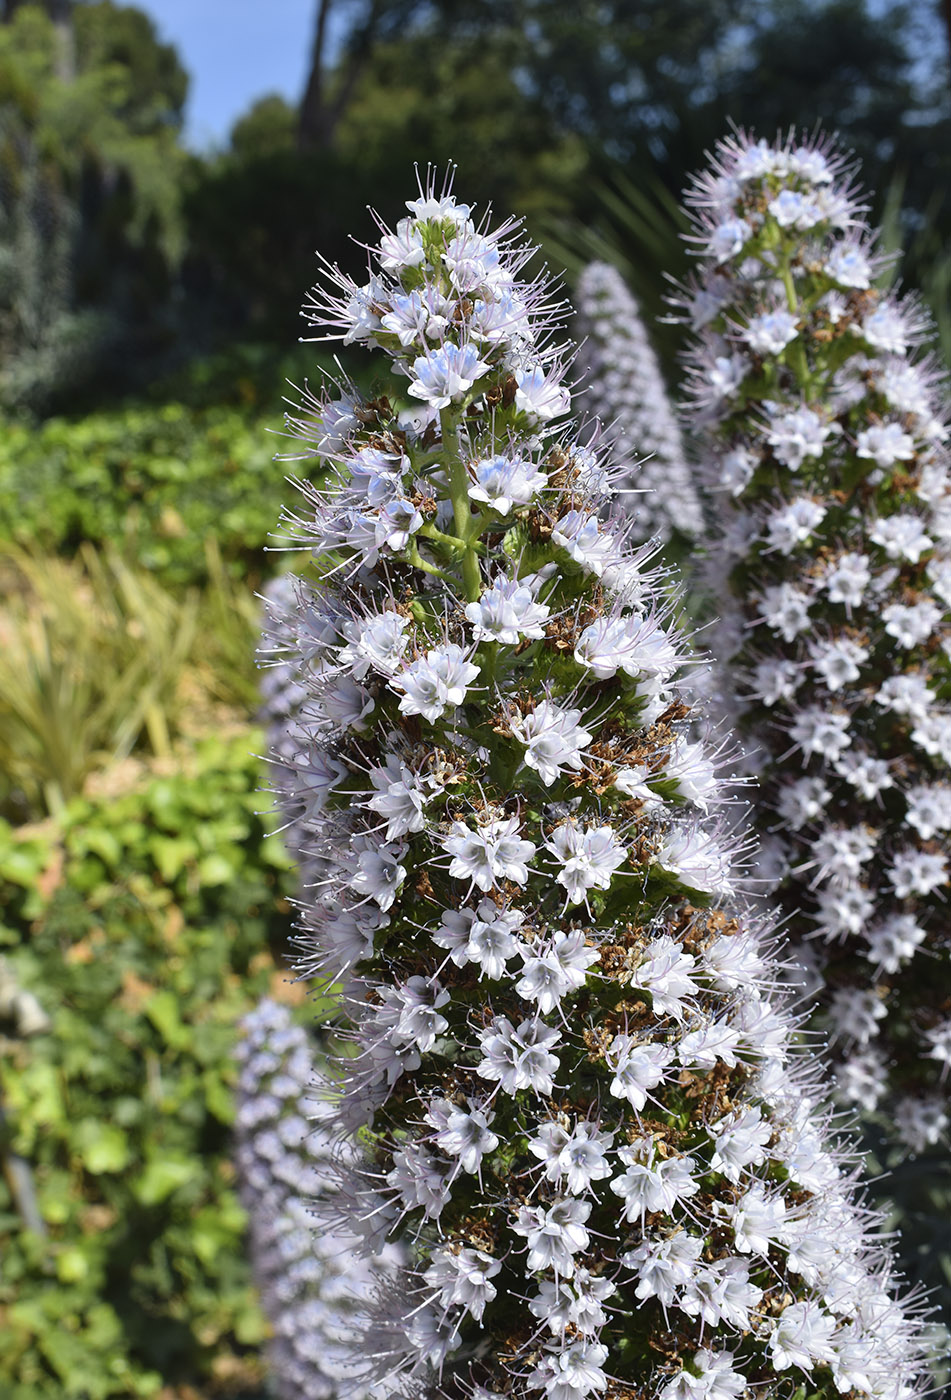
[
  {"x": 148, "y": 297},
  {"x": 147, "y": 923}
]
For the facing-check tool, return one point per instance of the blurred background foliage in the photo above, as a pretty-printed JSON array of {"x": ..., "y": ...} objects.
[{"x": 149, "y": 302}]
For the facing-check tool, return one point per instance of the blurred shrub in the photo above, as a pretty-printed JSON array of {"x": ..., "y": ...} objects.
[
  {"x": 143, "y": 922},
  {"x": 99, "y": 660},
  {"x": 154, "y": 481}
]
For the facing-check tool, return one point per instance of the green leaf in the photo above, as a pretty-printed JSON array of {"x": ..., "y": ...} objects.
[
  {"x": 102, "y": 1146},
  {"x": 162, "y": 1009},
  {"x": 162, "y": 1176}
]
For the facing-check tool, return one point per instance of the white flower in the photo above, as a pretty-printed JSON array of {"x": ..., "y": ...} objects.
[
  {"x": 540, "y": 396},
  {"x": 714, "y": 1378},
  {"x": 901, "y": 537},
  {"x": 785, "y": 610},
  {"x": 577, "y": 1157},
  {"x": 847, "y": 579},
  {"x": 728, "y": 238},
  {"x": 444, "y": 375},
  {"x": 581, "y": 535},
  {"x": 345, "y": 705},
  {"x": 840, "y": 853},
  {"x": 404, "y": 248},
  {"x": 508, "y": 611},
  {"x": 775, "y": 680},
  {"x": 648, "y": 1185},
  {"x": 633, "y": 783},
  {"x": 838, "y": 661},
  {"x": 692, "y": 770},
  {"x": 737, "y": 469},
  {"x": 664, "y": 1266},
  {"x": 572, "y": 1372},
  {"x": 419, "y": 1022},
  {"x": 797, "y": 435},
  {"x": 917, "y": 872},
  {"x": 921, "y": 1123},
  {"x": 463, "y": 1134},
  {"x": 420, "y": 1179},
  {"x": 802, "y": 1337},
  {"x": 894, "y": 942},
  {"x": 493, "y": 852},
  {"x": 551, "y": 972},
  {"x": 697, "y": 858},
  {"x": 758, "y": 1220},
  {"x": 484, "y": 936},
  {"x": 665, "y": 971},
  {"x": 802, "y": 801},
  {"x": 555, "y": 1235},
  {"x": 463, "y": 1277},
  {"x": 422, "y": 315},
  {"x": 911, "y": 623},
  {"x": 792, "y": 209},
  {"x": 519, "y": 1059},
  {"x": 770, "y": 332},
  {"x": 855, "y": 1013},
  {"x": 725, "y": 375},
  {"x": 378, "y": 874},
  {"x": 869, "y": 776},
  {"x": 939, "y": 1037},
  {"x": 793, "y": 524},
  {"x": 377, "y": 643},
  {"x": 574, "y": 1302},
  {"x": 588, "y": 857},
  {"x": 841, "y": 911},
  {"x": 361, "y": 311},
  {"x": 638, "y": 1067},
  {"x": 741, "y": 1141},
  {"x": 553, "y": 740},
  {"x": 398, "y": 798},
  {"x": 885, "y": 444},
  {"x": 436, "y": 682},
  {"x": 638, "y": 646},
  {"x": 906, "y": 694},
  {"x": 824, "y": 732},
  {"x": 885, "y": 329},
  {"x": 503, "y": 482},
  {"x": 929, "y": 808},
  {"x": 850, "y": 266}
]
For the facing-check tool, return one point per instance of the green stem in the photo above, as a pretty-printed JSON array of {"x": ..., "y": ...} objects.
[
  {"x": 798, "y": 347},
  {"x": 418, "y": 562},
  {"x": 459, "y": 495}
]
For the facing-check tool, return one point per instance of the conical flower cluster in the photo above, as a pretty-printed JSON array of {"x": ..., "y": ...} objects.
[
  {"x": 314, "y": 1288},
  {"x": 826, "y": 436},
  {"x": 624, "y": 388},
  {"x": 571, "y": 1066}
]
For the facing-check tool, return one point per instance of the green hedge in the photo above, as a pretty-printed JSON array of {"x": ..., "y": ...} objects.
[
  {"x": 156, "y": 481},
  {"x": 145, "y": 925}
]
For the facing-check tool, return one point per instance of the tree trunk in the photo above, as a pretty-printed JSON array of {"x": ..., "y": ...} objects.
[{"x": 312, "y": 119}]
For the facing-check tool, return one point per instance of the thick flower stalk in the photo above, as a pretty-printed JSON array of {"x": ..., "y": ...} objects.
[
  {"x": 571, "y": 1065},
  {"x": 826, "y": 438},
  {"x": 313, "y": 1286},
  {"x": 624, "y": 388}
]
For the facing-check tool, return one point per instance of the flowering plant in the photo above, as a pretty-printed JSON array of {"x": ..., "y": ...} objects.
[
  {"x": 570, "y": 1063},
  {"x": 624, "y": 387},
  {"x": 827, "y": 442},
  {"x": 311, "y": 1286}
]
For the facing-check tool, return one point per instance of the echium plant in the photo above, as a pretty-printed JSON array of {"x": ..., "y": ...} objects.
[
  {"x": 623, "y": 386},
  {"x": 571, "y": 1067},
  {"x": 826, "y": 439},
  {"x": 312, "y": 1286}
]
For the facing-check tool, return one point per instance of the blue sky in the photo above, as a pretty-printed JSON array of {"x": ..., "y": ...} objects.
[{"x": 234, "y": 51}]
